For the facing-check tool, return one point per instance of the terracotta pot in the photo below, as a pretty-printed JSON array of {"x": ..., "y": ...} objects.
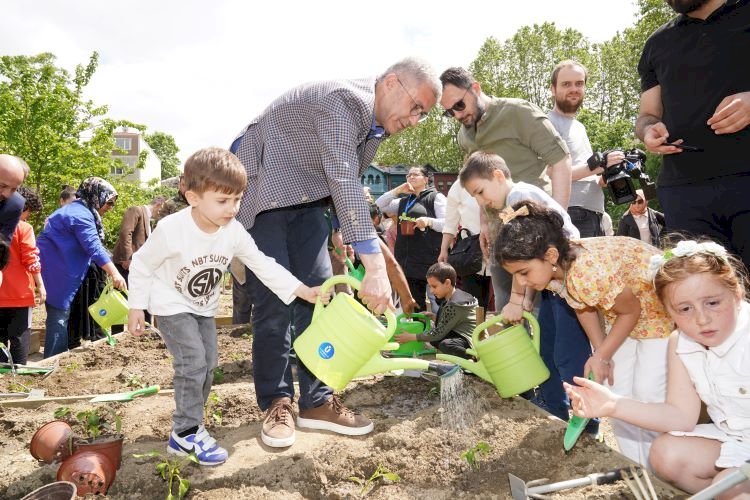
[
  {"x": 60, "y": 490},
  {"x": 91, "y": 472},
  {"x": 108, "y": 445},
  {"x": 407, "y": 227},
  {"x": 52, "y": 442}
]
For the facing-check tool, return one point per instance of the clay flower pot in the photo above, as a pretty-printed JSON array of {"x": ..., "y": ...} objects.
[
  {"x": 91, "y": 472},
  {"x": 407, "y": 227},
  {"x": 60, "y": 490},
  {"x": 111, "y": 446},
  {"x": 52, "y": 442}
]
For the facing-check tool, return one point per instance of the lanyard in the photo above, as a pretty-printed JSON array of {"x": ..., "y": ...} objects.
[{"x": 410, "y": 202}]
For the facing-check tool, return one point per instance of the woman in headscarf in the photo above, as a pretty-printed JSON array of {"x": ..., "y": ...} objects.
[{"x": 72, "y": 239}]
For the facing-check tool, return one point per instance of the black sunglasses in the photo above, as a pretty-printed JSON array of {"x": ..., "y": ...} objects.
[{"x": 460, "y": 105}]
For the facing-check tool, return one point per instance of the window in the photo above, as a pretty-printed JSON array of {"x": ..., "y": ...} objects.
[
  {"x": 124, "y": 163},
  {"x": 377, "y": 179},
  {"x": 369, "y": 179},
  {"x": 123, "y": 143}
]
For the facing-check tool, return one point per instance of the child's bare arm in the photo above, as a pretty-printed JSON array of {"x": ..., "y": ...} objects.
[{"x": 679, "y": 413}]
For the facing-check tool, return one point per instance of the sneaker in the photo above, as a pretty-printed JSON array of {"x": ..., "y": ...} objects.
[
  {"x": 204, "y": 446},
  {"x": 334, "y": 416},
  {"x": 278, "y": 426}
]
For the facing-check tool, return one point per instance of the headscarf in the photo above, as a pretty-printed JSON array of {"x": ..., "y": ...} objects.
[{"x": 93, "y": 193}]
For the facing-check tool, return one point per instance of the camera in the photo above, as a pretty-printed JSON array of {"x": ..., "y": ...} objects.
[{"x": 619, "y": 178}]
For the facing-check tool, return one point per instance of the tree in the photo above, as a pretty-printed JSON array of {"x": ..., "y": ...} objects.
[
  {"x": 166, "y": 150},
  {"x": 45, "y": 120}
]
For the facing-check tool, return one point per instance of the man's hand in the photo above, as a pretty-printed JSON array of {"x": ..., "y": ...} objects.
[
  {"x": 376, "y": 289},
  {"x": 615, "y": 158},
  {"x": 136, "y": 322},
  {"x": 732, "y": 114},
  {"x": 655, "y": 137}
]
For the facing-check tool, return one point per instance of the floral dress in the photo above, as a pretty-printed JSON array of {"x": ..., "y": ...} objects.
[{"x": 604, "y": 267}]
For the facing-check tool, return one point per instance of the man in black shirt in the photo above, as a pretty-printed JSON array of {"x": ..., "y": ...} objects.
[{"x": 695, "y": 83}]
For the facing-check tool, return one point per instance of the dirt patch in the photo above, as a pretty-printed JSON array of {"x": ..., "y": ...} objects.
[{"x": 410, "y": 438}]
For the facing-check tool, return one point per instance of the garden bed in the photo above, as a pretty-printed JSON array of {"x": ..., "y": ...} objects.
[{"x": 410, "y": 439}]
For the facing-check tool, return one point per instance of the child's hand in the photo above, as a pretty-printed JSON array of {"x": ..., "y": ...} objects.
[
  {"x": 311, "y": 294},
  {"x": 405, "y": 337},
  {"x": 512, "y": 312},
  {"x": 589, "y": 399},
  {"x": 136, "y": 322},
  {"x": 430, "y": 315},
  {"x": 602, "y": 369}
]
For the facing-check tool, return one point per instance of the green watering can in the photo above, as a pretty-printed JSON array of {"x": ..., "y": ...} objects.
[
  {"x": 509, "y": 360},
  {"x": 417, "y": 323},
  {"x": 111, "y": 308},
  {"x": 344, "y": 341}
]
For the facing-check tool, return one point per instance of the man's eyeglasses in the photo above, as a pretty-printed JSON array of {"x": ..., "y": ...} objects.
[
  {"x": 638, "y": 202},
  {"x": 460, "y": 105},
  {"x": 417, "y": 109}
]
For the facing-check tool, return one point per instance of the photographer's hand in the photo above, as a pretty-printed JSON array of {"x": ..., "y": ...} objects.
[
  {"x": 615, "y": 158},
  {"x": 732, "y": 114}
]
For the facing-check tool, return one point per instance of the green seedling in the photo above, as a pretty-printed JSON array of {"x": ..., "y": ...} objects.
[
  {"x": 170, "y": 471},
  {"x": 93, "y": 423},
  {"x": 211, "y": 411},
  {"x": 70, "y": 368},
  {"x": 403, "y": 216},
  {"x": 135, "y": 381},
  {"x": 433, "y": 392},
  {"x": 368, "y": 484},
  {"x": 472, "y": 454},
  {"x": 218, "y": 375},
  {"x": 237, "y": 357},
  {"x": 17, "y": 387},
  {"x": 247, "y": 336}
]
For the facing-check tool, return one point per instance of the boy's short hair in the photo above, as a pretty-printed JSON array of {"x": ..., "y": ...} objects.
[
  {"x": 442, "y": 271},
  {"x": 32, "y": 201},
  {"x": 482, "y": 164},
  {"x": 214, "y": 169}
]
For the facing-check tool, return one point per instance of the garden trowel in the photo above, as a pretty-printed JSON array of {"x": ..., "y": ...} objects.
[
  {"x": 126, "y": 396},
  {"x": 575, "y": 428},
  {"x": 521, "y": 490}
]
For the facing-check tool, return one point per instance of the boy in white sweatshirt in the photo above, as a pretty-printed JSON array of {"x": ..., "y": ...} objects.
[{"x": 177, "y": 274}]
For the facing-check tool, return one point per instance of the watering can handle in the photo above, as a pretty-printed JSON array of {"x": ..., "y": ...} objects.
[
  {"x": 343, "y": 279},
  {"x": 108, "y": 288},
  {"x": 499, "y": 318}
]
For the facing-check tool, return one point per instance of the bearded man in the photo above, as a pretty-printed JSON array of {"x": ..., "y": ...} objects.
[
  {"x": 695, "y": 87},
  {"x": 586, "y": 206}
]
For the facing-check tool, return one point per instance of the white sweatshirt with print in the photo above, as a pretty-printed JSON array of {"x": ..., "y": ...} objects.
[{"x": 180, "y": 267}]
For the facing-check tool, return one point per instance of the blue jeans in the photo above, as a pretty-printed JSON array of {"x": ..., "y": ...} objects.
[
  {"x": 56, "y": 337},
  {"x": 297, "y": 237},
  {"x": 565, "y": 348},
  {"x": 717, "y": 208}
]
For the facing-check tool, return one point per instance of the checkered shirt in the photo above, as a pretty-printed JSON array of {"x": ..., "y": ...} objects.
[{"x": 309, "y": 144}]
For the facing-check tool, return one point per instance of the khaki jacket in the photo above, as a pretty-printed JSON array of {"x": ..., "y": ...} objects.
[{"x": 133, "y": 233}]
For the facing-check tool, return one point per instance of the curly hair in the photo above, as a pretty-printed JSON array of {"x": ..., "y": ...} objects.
[
  {"x": 529, "y": 237},
  {"x": 33, "y": 201}
]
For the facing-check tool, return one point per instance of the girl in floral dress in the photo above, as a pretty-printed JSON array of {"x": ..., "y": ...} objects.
[{"x": 607, "y": 275}]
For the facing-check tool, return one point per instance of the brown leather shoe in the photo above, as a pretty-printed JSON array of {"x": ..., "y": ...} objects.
[
  {"x": 334, "y": 416},
  {"x": 278, "y": 426}
]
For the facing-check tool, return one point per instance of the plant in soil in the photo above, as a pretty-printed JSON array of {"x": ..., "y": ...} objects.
[
  {"x": 368, "y": 484},
  {"x": 103, "y": 420},
  {"x": 170, "y": 471},
  {"x": 218, "y": 375},
  {"x": 472, "y": 454},
  {"x": 212, "y": 412},
  {"x": 135, "y": 381},
  {"x": 403, "y": 216}
]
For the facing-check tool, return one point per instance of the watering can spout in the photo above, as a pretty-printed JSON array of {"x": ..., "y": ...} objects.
[
  {"x": 379, "y": 364},
  {"x": 475, "y": 367}
]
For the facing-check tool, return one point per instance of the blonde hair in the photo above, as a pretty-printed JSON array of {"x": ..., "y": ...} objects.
[
  {"x": 728, "y": 269},
  {"x": 214, "y": 169}
]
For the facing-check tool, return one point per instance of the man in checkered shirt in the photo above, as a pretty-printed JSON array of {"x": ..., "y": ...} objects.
[{"x": 307, "y": 151}]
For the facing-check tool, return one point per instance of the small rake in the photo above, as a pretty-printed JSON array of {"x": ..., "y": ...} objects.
[{"x": 640, "y": 486}]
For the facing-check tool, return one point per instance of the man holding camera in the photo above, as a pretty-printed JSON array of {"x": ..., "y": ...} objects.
[
  {"x": 695, "y": 110},
  {"x": 586, "y": 197}
]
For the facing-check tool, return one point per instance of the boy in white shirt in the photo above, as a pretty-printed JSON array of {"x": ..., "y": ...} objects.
[{"x": 177, "y": 274}]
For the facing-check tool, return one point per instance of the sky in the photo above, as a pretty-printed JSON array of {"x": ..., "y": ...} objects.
[{"x": 201, "y": 70}]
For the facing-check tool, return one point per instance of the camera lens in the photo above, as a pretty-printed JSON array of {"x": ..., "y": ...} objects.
[{"x": 622, "y": 189}]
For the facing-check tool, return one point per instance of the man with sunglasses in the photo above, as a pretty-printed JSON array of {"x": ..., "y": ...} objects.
[
  {"x": 520, "y": 133},
  {"x": 641, "y": 222},
  {"x": 308, "y": 150}
]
